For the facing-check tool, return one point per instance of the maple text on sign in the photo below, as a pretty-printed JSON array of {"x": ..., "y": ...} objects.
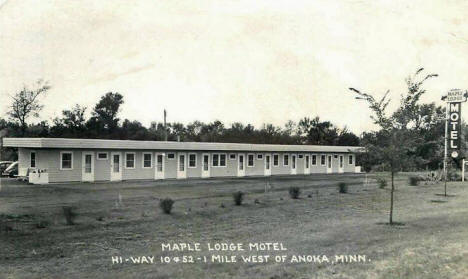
[
  {"x": 454, "y": 128},
  {"x": 456, "y": 96}
]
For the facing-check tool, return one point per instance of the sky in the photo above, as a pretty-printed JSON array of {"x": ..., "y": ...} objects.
[{"x": 237, "y": 61}]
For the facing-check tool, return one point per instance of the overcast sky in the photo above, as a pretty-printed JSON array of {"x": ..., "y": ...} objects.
[{"x": 248, "y": 61}]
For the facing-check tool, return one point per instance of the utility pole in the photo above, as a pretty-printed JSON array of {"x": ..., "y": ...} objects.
[{"x": 165, "y": 126}]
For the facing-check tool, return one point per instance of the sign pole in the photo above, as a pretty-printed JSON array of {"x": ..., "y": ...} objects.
[
  {"x": 445, "y": 150},
  {"x": 463, "y": 170}
]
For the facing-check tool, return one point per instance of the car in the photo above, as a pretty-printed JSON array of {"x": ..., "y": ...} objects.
[
  {"x": 4, "y": 165},
  {"x": 12, "y": 170}
]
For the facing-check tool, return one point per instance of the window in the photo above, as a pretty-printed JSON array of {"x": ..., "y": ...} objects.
[
  {"x": 102, "y": 156},
  {"x": 259, "y": 156},
  {"x": 219, "y": 160},
  {"x": 232, "y": 156},
  {"x": 329, "y": 162},
  {"x": 130, "y": 160},
  {"x": 341, "y": 161},
  {"x": 222, "y": 160},
  {"x": 301, "y": 156},
  {"x": 285, "y": 160},
  {"x": 192, "y": 163},
  {"x": 307, "y": 162},
  {"x": 314, "y": 160},
  {"x": 350, "y": 159},
  {"x": 181, "y": 162},
  {"x": 322, "y": 160},
  {"x": 66, "y": 160},
  {"x": 32, "y": 160},
  {"x": 275, "y": 160},
  {"x": 250, "y": 160},
  {"x": 335, "y": 156},
  {"x": 293, "y": 159},
  {"x": 159, "y": 162},
  {"x": 147, "y": 160},
  {"x": 171, "y": 156}
]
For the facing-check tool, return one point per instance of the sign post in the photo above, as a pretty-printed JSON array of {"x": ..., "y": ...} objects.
[{"x": 454, "y": 98}]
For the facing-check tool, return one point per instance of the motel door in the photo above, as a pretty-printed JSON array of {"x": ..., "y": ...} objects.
[
  {"x": 159, "y": 169},
  {"x": 267, "y": 164},
  {"x": 341, "y": 163},
  {"x": 116, "y": 166},
  {"x": 181, "y": 166},
  {"x": 87, "y": 166},
  {"x": 329, "y": 164},
  {"x": 241, "y": 165},
  {"x": 293, "y": 164},
  {"x": 306, "y": 164},
  {"x": 206, "y": 165}
]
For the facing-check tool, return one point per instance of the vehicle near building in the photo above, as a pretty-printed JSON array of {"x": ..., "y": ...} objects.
[
  {"x": 4, "y": 165},
  {"x": 11, "y": 170}
]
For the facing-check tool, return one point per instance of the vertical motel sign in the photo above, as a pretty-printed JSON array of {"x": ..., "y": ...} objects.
[{"x": 454, "y": 99}]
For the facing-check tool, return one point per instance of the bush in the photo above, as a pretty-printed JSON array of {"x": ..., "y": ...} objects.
[
  {"x": 381, "y": 182},
  {"x": 342, "y": 188},
  {"x": 42, "y": 224},
  {"x": 166, "y": 205},
  {"x": 294, "y": 192},
  {"x": 238, "y": 197},
  {"x": 413, "y": 180},
  {"x": 69, "y": 215}
]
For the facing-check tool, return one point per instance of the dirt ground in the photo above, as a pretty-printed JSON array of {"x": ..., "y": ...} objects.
[{"x": 124, "y": 220}]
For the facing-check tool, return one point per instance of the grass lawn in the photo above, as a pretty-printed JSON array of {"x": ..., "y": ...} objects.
[{"x": 124, "y": 219}]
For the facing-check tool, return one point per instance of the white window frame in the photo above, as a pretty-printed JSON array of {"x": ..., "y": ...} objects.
[
  {"x": 350, "y": 158},
  {"x": 312, "y": 160},
  {"x": 235, "y": 156},
  {"x": 188, "y": 161},
  {"x": 102, "y": 159},
  {"x": 248, "y": 160},
  {"x": 61, "y": 165},
  {"x": 219, "y": 160},
  {"x": 260, "y": 156},
  {"x": 143, "y": 160},
  {"x": 35, "y": 158},
  {"x": 277, "y": 165},
  {"x": 134, "y": 160},
  {"x": 171, "y": 153},
  {"x": 289, "y": 159},
  {"x": 325, "y": 161}
]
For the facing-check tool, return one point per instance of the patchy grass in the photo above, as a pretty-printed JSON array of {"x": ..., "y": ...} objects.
[{"x": 433, "y": 243}]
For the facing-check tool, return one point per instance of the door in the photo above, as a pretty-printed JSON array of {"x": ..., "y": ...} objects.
[
  {"x": 159, "y": 167},
  {"x": 181, "y": 166},
  {"x": 293, "y": 164},
  {"x": 87, "y": 166},
  {"x": 206, "y": 165},
  {"x": 306, "y": 164},
  {"x": 341, "y": 163},
  {"x": 241, "y": 165},
  {"x": 329, "y": 163},
  {"x": 116, "y": 166},
  {"x": 267, "y": 164}
]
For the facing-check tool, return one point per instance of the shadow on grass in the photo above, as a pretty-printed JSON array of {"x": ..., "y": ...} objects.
[
  {"x": 394, "y": 224},
  {"x": 438, "y": 201},
  {"x": 448, "y": 196}
]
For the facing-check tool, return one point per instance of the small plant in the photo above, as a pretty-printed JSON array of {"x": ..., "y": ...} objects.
[
  {"x": 309, "y": 196},
  {"x": 414, "y": 180},
  {"x": 166, "y": 205},
  {"x": 294, "y": 192},
  {"x": 100, "y": 218},
  {"x": 342, "y": 188},
  {"x": 222, "y": 205},
  {"x": 381, "y": 182},
  {"x": 238, "y": 197},
  {"x": 69, "y": 215},
  {"x": 42, "y": 224},
  {"x": 257, "y": 201}
]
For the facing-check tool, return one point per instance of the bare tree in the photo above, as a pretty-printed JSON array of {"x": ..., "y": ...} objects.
[{"x": 25, "y": 104}]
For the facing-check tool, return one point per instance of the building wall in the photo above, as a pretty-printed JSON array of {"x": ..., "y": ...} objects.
[{"x": 50, "y": 159}]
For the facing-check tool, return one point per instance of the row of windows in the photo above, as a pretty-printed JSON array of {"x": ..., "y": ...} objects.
[{"x": 217, "y": 159}]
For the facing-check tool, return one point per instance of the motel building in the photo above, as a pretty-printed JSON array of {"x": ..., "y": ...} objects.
[{"x": 59, "y": 160}]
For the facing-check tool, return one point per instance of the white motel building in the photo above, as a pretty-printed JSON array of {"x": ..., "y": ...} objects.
[{"x": 51, "y": 160}]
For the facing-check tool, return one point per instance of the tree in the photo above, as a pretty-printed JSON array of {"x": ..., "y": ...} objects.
[
  {"x": 104, "y": 115},
  {"x": 397, "y": 138},
  {"x": 25, "y": 104},
  {"x": 71, "y": 124}
]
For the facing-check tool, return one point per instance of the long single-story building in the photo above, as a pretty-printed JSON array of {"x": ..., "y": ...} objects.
[{"x": 48, "y": 160}]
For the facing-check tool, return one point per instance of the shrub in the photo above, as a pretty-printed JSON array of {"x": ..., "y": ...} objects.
[
  {"x": 166, "y": 205},
  {"x": 294, "y": 192},
  {"x": 42, "y": 224},
  {"x": 413, "y": 180},
  {"x": 238, "y": 197},
  {"x": 381, "y": 182},
  {"x": 342, "y": 188},
  {"x": 69, "y": 215}
]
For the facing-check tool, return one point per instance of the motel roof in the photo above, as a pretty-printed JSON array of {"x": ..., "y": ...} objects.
[{"x": 168, "y": 145}]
